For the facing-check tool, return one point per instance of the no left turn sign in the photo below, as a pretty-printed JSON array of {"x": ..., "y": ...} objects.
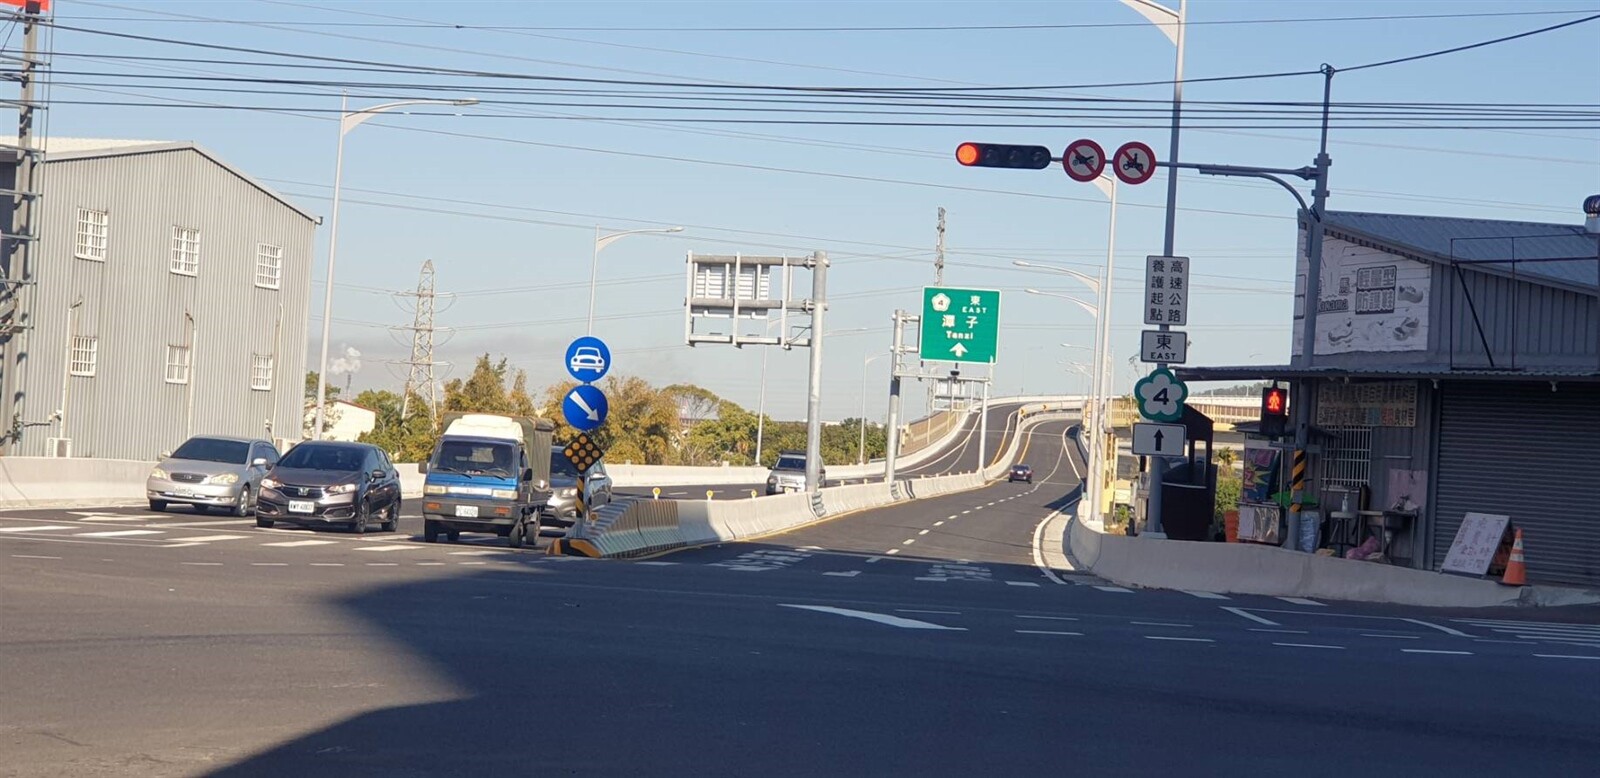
[
  {"x": 1134, "y": 163},
  {"x": 1084, "y": 160}
]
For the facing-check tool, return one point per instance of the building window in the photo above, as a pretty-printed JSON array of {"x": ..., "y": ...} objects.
[
  {"x": 84, "y": 350},
  {"x": 1347, "y": 458},
  {"x": 261, "y": 372},
  {"x": 178, "y": 364},
  {"x": 93, "y": 229},
  {"x": 269, "y": 265},
  {"x": 185, "y": 250}
]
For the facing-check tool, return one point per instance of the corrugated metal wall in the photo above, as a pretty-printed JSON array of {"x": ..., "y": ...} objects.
[
  {"x": 137, "y": 307},
  {"x": 1526, "y": 325},
  {"x": 1522, "y": 450}
]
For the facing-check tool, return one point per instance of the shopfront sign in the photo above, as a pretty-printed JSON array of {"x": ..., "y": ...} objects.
[{"x": 1377, "y": 404}]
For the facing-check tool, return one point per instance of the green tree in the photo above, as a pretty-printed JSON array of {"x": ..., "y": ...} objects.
[
  {"x": 331, "y": 414},
  {"x": 407, "y": 440},
  {"x": 482, "y": 392}
]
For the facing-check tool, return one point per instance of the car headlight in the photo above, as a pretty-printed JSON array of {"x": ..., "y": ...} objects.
[
  {"x": 567, "y": 492},
  {"x": 772, "y": 479},
  {"x": 159, "y": 473},
  {"x": 433, "y": 489},
  {"x": 268, "y": 483},
  {"x": 340, "y": 489},
  {"x": 504, "y": 494},
  {"x": 223, "y": 479}
]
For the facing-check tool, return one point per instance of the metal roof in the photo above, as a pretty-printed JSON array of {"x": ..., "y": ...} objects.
[
  {"x": 59, "y": 149},
  {"x": 1418, "y": 372},
  {"x": 1558, "y": 254}
]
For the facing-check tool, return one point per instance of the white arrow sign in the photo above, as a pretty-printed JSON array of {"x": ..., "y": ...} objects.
[
  {"x": 577, "y": 399},
  {"x": 959, "y": 350},
  {"x": 1159, "y": 440}
]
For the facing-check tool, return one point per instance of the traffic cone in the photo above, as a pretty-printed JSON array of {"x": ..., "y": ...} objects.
[{"x": 1516, "y": 571}]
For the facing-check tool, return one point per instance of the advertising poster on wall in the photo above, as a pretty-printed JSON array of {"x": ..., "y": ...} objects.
[
  {"x": 1371, "y": 301},
  {"x": 1260, "y": 473}
]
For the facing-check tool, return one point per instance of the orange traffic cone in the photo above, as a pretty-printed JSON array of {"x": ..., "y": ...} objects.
[{"x": 1516, "y": 570}]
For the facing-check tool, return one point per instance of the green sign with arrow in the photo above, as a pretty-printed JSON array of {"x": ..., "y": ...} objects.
[{"x": 960, "y": 325}]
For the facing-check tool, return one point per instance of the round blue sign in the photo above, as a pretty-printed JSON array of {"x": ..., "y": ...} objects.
[
  {"x": 585, "y": 407},
  {"x": 588, "y": 359}
]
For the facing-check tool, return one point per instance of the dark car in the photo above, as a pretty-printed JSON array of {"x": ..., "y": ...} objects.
[
  {"x": 326, "y": 483},
  {"x": 562, "y": 509},
  {"x": 1020, "y": 473}
]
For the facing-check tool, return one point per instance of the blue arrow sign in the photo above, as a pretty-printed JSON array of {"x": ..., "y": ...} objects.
[
  {"x": 588, "y": 359},
  {"x": 585, "y": 407}
]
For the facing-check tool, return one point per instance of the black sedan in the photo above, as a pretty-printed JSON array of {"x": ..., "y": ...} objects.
[
  {"x": 1020, "y": 473},
  {"x": 326, "y": 483}
]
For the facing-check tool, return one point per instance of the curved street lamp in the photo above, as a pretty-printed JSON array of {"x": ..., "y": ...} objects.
[{"x": 600, "y": 242}]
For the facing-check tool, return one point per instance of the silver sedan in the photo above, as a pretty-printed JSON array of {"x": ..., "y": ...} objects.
[{"x": 212, "y": 472}]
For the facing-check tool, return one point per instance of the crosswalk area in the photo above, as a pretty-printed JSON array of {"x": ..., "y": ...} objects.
[
  {"x": 1587, "y": 635},
  {"x": 193, "y": 531}
]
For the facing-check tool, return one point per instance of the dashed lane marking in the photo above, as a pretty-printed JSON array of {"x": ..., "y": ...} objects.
[
  {"x": 924, "y": 532},
  {"x": 1048, "y": 632},
  {"x": 269, "y": 564},
  {"x": 1302, "y": 601},
  {"x": 407, "y": 547},
  {"x": 881, "y": 618},
  {"x": 1391, "y": 637},
  {"x": 214, "y": 538},
  {"x": 1179, "y": 639},
  {"x": 327, "y": 564},
  {"x": 1020, "y": 583},
  {"x": 383, "y": 564},
  {"x": 892, "y": 551},
  {"x": 939, "y": 613},
  {"x": 1114, "y": 589},
  {"x": 844, "y": 573},
  {"x": 33, "y": 556},
  {"x": 121, "y": 533},
  {"x": 429, "y": 564},
  {"x": 1309, "y": 645},
  {"x": 112, "y": 518},
  {"x": 37, "y": 528},
  {"x": 658, "y": 564},
  {"x": 1159, "y": 624},
  {"x": 298, "y": 543},
  {"x": 1047, "y": 618},
  {"x": 1206, "y": 595},
  {"x": 1565, "y": 656},
  {"x": 1434, "y": 651},
  {"x": 908, "y": 542},
  {"x": 938, "y": 524},
  {"x": 1282, "y": 631},
  {"x": 1241, "y": 612},
  {"x": 203, "y": 564},
  {"x": 488, "y": 551}
]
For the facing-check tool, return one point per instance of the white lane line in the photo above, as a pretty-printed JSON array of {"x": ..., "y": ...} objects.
[
  {"x": 33, "y": 556},
  {"x": 1302, "y": 601},
  {"x": 121, "y": 533},
  {"x": 429, "y": 564},
  {"x": 908, "y": 542},
  {"x": 1185, "y": 640},
  {"x": 212, "y": 538},
  {"x": 204, "y": 564},
  {"x": 297, "y": 543},
  {"x": 963, "y": 513},
  {"x": 1206, "y": 595},
  {"x": 1048, "y": 618},
  {"x": 1159, "y": 624},
  {"x": 383, "y": 564},
  {"x": 327, "y": 564},
  {"x": 113, "y": 518},
  {"x": 37, "y": 528},
  {"x": 658, "y": 564},
  {"x": 1047, "y": 632},
  {"x": 892, "y": 551},
  {"x": 217, "y": 524},
  {"x": 1434, "y": 651},
  {"x": 1248, "y": 615},
  {"x": 1446, "y": 630},
  {"x": 1565, "y": 656},
  {"x": 1114, "y": 589},
  {"x": 1308, "y": 645},
  {"x": 472, "y": 563},
  {"x": 1391, "y": 637},
  {"x": 940, "y": 613},
  {"x": 1282, "y": 631},
  {"x": 872, "y": 559},
  {"x": 951, "y": 517},
  {"x": 844, "y": 574},
  {"x": 932, "y": 578},
  {"x": 1020, "y": 583},
  {"x": 406, "y": 547},
  {"x": 487, "y": 552},
  {"x": 938, "y": 524},
  {"x": 924, "y": 532},
  {"x": 1507, "y": 642},
  {"x": 880, "y": 618},
  {"x": 269, "y": 564}
]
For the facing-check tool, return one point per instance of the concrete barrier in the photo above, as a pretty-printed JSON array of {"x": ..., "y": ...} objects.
[{"x": 27, "y": 482}]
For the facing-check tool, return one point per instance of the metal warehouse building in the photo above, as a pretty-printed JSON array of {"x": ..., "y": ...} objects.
[
  {"x": 170, "y": 299},
  {"x": 1457, "y": 371}
]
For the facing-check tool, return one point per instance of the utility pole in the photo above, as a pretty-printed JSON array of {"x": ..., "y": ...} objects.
[
  {"x": 938, "y": 253},
  {"x": 15, "y": 319},
  {"x": 819, "y": 303},
  {"x": 892, "y": 433},
  {"x": 1158, "y": 464},
  {"x": 419, "y": 368}
]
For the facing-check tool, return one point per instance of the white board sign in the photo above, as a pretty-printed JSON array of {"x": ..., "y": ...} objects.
[
  {"x": 1166, "y": 290},
  {"x": 1371, "y": 301},
  {"x": 1476, "y": 543},
  {"x": 1168, "y": 348},
  {"x": 1159, "y": 440}
]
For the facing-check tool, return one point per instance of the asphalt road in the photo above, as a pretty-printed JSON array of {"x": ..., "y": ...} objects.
[{"x": 240, "y": 652}]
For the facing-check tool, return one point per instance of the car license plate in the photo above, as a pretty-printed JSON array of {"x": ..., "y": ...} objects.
[
  {"x": 467, "y": 511},
  {"x": 301, "y": 506}
]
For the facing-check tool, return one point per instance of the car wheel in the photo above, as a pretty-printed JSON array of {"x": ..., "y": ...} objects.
[
  {"x": 359, "y": 526},
  {"x": 263, "y": 523},
  {"x": 519, "y": 535},
  {"x": 159, "y": 506},
  {"x": 430, "y": 531},
  {"x": 244, "y": 508},
  {"x": 391, "y": 520}
]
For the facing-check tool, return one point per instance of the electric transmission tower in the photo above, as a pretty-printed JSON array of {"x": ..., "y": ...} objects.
[{"x": 420, "y": 376}]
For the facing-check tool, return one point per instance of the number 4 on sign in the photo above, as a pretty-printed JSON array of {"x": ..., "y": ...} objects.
[{"x": 1161, "y": 396}]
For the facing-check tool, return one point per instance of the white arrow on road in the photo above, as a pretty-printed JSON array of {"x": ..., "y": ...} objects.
[
  {"x": 577, "y": 399},
  {"x": 959, "y": 350}
]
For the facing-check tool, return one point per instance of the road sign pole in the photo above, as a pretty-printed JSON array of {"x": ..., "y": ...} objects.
[
  {"x": 1308, "y": 327},
  {"x": 819, "y": 301},
  {"x": 892, "y": 433},
  {"x": 983, "y": 430}
]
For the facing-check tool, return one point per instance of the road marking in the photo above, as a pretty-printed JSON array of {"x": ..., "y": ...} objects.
[
  {"x": 211, "y": 538},
  {"x": 892, "y": 551},
  {"x": 1446, "y": 630},
  {"x": 1302, "y": 601},
  {"x": 1114, "y": 589},
  {"x": 295, "y": 543},
  {"x": 204, "y": 564},
  {"x": 1282, "y": 631},
  {"x": 121, "y": 533},
  {"x": 113, "y": 518},
  {"x": 269, "y": 564},
  {"x": 37, "y": 528},
  {"x": 932, "y": 578},
  {"x": 1048, "y": 618},
  {"x": 429, "y": 564},
  {"x": 1185, "y": 640},
  {"x": 963, "y": 513},
  {"x": 383, "y": 564},
  {"x": 216, "y": 524},
  {"x": 486, "y": 552},
  {"x": 914, "y": 610},
  {"x": 1047, "y": 632},
  {"x": 327, "y": 564},
  {"x": 1507, "y": 642},
  {"x": 938, "y": 524},
  {"x": 1434, "y": 651},
  {"x": 1308, "y": 645},
  {"x": 1158, "y": 624},
  {"x": 908, "y": 542},
  {"x": 1020, "y": 583},
  {"x": 845, "y": 574},
  {"x": 952, "y": 517},
  {"x": 1251, "y": 616},
  {"x": 1565, "y": 656},
  {"x": 1391, "y": 637},
  {"x": 1206, "y": 595},
  {"x": 924, "y": 532},
  {"x": 880, "y": 618},
  {"x": 32, "y": 556},
  {"x": 658, "y": 564},
  {"x": 472, "y": 563},
  {"x": 405, "y": 547}
]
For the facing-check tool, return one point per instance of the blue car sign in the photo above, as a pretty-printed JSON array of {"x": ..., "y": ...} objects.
[{"x": 588, "y": 359}]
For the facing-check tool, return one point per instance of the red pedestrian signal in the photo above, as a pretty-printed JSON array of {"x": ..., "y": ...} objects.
[
  {"x": 1003, "y": 155},
  {"x": 1274, "y": 411}
]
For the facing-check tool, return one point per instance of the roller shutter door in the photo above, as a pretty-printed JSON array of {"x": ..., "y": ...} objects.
[{"x": 1529, "y": 453}]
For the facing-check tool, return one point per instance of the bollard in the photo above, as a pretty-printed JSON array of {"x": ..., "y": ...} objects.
[
  {"x": 752, "y": 494},
  {"x": 655, "y": 494},
  {"x": 708, "y": 495}
]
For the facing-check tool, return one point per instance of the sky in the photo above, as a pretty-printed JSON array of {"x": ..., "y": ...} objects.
[{"x": 505, "y": 199}]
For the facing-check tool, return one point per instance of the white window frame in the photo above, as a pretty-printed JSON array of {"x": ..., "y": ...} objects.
[
  {"x": 261, "y": 369},
  {"x": 180, "y": 364},
  {"x": 269, "y": 266},
  {"x": 84, "y": 355},
  {"x": 92, "y": 236},
  {"x": 185, "y": 259}
]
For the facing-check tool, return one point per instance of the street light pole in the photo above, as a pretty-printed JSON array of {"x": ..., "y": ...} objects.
[
  {"x": 348, "y": 120},
  {"x": 601, "y": 242},
  {"x": 861, "y": 447}
]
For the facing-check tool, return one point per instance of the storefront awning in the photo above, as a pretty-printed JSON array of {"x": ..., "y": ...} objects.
[{"x": 1291, "y": 372}]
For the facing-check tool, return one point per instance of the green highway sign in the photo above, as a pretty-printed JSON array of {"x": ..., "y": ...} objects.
[{"x": 960, "y": 325}]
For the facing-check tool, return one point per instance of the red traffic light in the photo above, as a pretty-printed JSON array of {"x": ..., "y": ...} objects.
[
  {"x": 1274, "y": 410},
  {"x": 1003, "y": 155},
  {"x": 1274, "y": 402},
  {"x": 968, "y": 153}
]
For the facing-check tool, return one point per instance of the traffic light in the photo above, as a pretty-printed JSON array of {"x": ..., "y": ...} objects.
[
  {"x": 1274, "y": 411},
  {"x": 1003, "y": 155}
]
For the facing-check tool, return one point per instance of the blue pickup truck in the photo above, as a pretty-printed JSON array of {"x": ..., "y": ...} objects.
[{"x": 488, "y": 473}]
